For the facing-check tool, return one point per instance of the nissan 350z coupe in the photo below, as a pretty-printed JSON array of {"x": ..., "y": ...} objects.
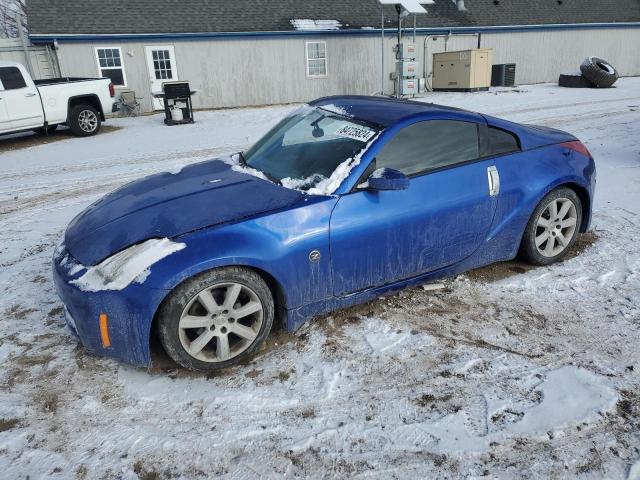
[{"x": 344, "y": 200}]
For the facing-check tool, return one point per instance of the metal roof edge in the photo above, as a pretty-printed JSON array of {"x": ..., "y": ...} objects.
[{"x": 80, "y": 37}]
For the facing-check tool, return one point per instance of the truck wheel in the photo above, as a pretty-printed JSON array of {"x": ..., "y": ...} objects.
[{"x": 84, "y": 121}]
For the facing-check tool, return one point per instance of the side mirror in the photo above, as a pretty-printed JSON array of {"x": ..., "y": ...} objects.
[{"x": 388, "y": 179}]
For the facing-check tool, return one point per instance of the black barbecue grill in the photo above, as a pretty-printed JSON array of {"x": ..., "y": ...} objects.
[{"x": 177, "y": 95}]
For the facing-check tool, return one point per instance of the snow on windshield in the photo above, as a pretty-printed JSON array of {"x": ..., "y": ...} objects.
[
  {"x": 307, "y": 130},
  {"x": 328, "y": 186}
]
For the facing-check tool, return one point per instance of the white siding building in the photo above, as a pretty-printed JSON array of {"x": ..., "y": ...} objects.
[{"x": 294, "y": 51}]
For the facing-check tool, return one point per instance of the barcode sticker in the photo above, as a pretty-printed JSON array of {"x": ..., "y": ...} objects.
[{"x": 362, "y": 134}]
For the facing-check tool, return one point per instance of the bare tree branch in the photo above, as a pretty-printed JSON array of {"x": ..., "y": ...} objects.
[{"x": 8, "y": 11}]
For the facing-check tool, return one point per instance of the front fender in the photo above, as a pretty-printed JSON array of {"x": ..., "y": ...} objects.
[{"x": 278, "y": 244}]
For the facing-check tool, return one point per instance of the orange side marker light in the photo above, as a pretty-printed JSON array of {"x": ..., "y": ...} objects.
[{"x": 104, "y": 330}]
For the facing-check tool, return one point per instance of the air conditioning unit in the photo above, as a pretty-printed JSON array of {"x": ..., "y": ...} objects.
[
  {"x": 466, "y": 70},
  {"x": 503, "y": 75}
]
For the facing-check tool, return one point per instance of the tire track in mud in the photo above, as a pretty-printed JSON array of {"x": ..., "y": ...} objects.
[
  {"x": 564, "y": 106},
  {"x": 110, "y": 163},
  {"x": 48, "y": 193}
]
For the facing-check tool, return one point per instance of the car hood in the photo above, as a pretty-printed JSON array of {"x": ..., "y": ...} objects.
[{"x": 167, "y": 205}]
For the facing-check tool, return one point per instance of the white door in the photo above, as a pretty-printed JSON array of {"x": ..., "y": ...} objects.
[
  {"x": 161, "y": 63},
  {"x": 21, "y": 99}
]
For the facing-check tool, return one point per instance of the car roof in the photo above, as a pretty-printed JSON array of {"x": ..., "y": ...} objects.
[{"x": 385, "y": 111}]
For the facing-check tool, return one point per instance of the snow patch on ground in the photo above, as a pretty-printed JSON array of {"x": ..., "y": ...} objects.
[
  {"x": 569, "y": 395},
  {"x": 120, "y": 270}
]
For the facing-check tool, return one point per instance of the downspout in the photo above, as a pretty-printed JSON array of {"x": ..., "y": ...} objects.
[{"x": 382, "y": 51}]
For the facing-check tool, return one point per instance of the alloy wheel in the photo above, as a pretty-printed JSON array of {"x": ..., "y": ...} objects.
[
  {"x": 88, "y": 121},
  {"x": 555, "y": 227},
  {"x": 221, "y": 322}
]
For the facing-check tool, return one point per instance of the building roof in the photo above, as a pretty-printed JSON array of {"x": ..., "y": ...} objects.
[
  {"x": 99, "y": 17},
  {"x": 384, "y": 111}
]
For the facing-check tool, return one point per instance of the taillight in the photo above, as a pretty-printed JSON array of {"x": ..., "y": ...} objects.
[
  {"x": 112, "y": 90},
  {"x": 577, "y": 146}
]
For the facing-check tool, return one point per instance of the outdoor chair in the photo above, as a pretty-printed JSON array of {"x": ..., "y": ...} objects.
[{"x": 129, "y": 104}]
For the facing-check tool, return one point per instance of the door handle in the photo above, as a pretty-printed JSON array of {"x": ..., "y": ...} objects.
[
  {"x": 29, "y": 94},
  {"x": 494, "y": 181}
]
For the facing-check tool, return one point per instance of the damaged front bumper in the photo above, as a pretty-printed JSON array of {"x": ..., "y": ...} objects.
[{"x": 124, "y": 316}]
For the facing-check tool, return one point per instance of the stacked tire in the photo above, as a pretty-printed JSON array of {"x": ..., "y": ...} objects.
[
  {"x": 595, "y": 72},
  {"x": 599, "y": 72},
  {"x": 574, "y": 80}
]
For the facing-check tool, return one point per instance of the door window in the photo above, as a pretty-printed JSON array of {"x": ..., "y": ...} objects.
[
  {"x": 11, "y": 78},
  {"x": 430, "y": 145},
  {"x": 162, "y": 64}
]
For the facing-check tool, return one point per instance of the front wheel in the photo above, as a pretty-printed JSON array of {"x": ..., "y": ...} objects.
[
  {"x": 84, "y": 120},
  {"x": 216, "y": 319},
  {"x": 553, "y": 227}
]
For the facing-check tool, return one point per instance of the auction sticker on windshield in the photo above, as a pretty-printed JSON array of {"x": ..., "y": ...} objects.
[{"x": 355, "y": 132}]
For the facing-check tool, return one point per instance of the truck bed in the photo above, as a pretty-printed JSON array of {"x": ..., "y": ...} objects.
[{"x": 57, "y": 81}]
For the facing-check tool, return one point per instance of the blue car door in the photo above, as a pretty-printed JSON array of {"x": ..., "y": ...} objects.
[{"x": 378, "y": 237}]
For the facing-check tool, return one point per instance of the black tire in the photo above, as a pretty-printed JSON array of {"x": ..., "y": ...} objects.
[
  {"x": 528, "y": 249},
  {"x": 171, "y": 311},
  {"x": 599, "y": 72},
  {"x": 84, "y": 121},
  {"x": 48, "y": 131},
  {"x": 574, "y": 81}
]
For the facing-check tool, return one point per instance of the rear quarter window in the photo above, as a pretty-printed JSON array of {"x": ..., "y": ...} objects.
[
  {"x": 502, "y": 142},
  {"x": 11, "y": 78}
]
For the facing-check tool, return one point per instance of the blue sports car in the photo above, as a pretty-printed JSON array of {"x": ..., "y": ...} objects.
[{"x": 344, "y": 200}]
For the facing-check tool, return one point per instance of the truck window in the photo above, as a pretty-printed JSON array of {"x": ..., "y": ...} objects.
[{"x": 11, "y": 78}]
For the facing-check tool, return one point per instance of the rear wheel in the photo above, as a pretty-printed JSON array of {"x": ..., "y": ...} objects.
[
  {"x": 84, "y": 120},
  {"x": 216, "y": 319},
  {"x": 553, "y": 227}
]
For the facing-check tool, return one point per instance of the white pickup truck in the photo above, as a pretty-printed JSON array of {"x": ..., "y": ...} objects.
[{"x": 42, "y": 105}]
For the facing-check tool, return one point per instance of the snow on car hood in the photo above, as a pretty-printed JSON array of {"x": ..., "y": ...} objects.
[{"x": 167, "y": 205}]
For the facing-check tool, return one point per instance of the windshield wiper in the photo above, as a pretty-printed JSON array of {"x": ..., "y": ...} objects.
[{"x": 243, "y": 162}]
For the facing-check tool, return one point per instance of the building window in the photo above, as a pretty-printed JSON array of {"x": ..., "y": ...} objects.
[
  {"x": 110, "y": 65},
  {"x": 316, "y": 59},
  {"x": 162, "y": 64}
]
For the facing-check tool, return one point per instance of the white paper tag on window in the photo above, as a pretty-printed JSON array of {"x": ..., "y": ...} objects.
[{"x": 355, "y": 132}]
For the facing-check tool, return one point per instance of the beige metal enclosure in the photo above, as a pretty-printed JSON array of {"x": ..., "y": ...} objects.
[{"x": 462, "y": 70}]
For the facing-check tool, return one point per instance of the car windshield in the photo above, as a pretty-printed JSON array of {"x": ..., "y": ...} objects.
[{"x": 308, "y": 146}]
